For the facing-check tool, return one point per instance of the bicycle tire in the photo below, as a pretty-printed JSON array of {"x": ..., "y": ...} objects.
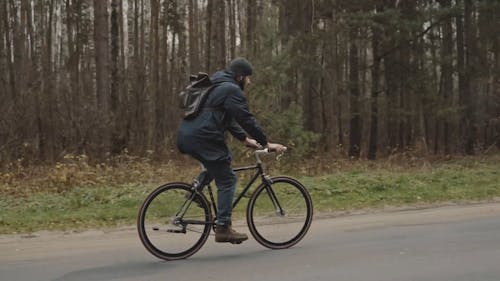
[
  {"x": 263, "y": 230},
  {"x": 149, "y": 215}
]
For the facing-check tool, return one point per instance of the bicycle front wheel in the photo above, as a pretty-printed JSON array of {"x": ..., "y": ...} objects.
[
  {"x": 170, "y": 225},
  {"x": 280, "y": 214}
]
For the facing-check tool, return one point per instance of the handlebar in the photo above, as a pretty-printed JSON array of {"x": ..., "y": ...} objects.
[
  {"x": 262, "y": 151},
  {"x": 266, "y": 151}
]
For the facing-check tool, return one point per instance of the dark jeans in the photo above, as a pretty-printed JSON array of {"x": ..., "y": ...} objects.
[{"x": 225, "y": 179}]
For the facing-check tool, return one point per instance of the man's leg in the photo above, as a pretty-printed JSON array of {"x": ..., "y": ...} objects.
[{"x": 225, "y": 179}]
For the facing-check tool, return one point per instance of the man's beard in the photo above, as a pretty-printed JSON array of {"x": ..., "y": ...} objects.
[{"x": 242, "y": 84}]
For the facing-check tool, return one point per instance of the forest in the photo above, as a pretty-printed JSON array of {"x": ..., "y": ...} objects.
[{"x": 343, "y": 78}]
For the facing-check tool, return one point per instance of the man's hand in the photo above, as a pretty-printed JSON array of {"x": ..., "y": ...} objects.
[
  {"x": 252, "y": 143},
  {"x": 276, "y": 147}
]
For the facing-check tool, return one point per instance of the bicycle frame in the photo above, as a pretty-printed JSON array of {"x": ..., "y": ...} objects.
[{"x": 260, "y": 172}]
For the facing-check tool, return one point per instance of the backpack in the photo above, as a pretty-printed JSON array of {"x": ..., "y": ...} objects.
[{"x": 195, "y": 94}]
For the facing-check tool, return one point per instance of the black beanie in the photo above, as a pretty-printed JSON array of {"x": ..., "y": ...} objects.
[{"x": 240, "y": 66}]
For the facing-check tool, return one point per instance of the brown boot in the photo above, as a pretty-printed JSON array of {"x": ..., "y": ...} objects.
[{"x": 224, "y": 233}]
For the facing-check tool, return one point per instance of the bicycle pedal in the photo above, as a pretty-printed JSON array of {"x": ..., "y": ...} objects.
[
  {"x": 236, "y": 242},
  {"x": 176, "y": 231}
]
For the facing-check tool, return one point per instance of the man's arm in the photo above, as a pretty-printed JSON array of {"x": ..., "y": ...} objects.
[
  {"x": 237, "y": 107},
  {"x": 236, "y": 130}
]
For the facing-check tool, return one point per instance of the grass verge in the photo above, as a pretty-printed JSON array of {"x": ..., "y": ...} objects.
[{"x": 360, "y": 186}]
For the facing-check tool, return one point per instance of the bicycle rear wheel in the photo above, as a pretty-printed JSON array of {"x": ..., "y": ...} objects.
[
  {"x": 279, "y": 215},
  {"x": 161, "y": 229}
]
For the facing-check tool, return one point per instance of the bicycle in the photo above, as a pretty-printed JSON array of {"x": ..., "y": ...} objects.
[{"x": 175, "y": 219}]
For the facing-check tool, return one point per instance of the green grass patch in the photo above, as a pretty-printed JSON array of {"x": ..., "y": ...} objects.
[
  {"x": 79, "y": 208},
  {"x": 379, "y": 188},
  {"x": 362, "y": 186}
]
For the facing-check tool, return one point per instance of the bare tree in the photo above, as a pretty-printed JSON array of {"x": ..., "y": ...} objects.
[
  {"x": 101, "y": 43},
  {"x": 117, "y": 144},
  {"x": 194, "y": 52},
  {"x": 355, "y": 121},
  {"x": 375, "y": 89}
]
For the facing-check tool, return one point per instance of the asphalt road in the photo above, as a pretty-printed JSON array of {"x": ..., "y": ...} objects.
[{"x": 455, "y": 243}]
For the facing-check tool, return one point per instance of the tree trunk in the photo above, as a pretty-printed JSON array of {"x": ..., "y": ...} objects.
[
  {"x": 372, "y": 146},
  {"x": 46, "y": 117},
  {"x": 101, "y": 33},
  {"x": 194, "y": 53},
  {"x": 3, "y": 58},
  {"x": 209, "y": 34},
  {"x": 496, "y": 78},
  {"x": 220, "y": 35},
  {"x": 8, "y": 40},
  {"x": 154, "y": 131},
  {"x": 166, "y": 83},
  {"x": 307, "y": 47},
  {"x": 470, "y": 99},
  {"x": 392, "y": 78},
  {"x": 139, "y": 112},
  {"x": 408, "y": 70},
  {"x": 117, "y": 144},
  {"x": 232, "y": 28},
  {"x": 72, "y": 9},
  {"x": 421, "y": 95},
  {"x": 330, "y": 92},
  {"x": 284, "y": 31},
  {"x": 355, "y": 119},
  {"x": 462, "y": 99},
  {"x": 250, "y": 31},
  {"x": 446, "y": 74}
]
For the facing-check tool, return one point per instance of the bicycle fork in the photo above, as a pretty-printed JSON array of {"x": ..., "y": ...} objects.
[{"x": 277, "y": 206}]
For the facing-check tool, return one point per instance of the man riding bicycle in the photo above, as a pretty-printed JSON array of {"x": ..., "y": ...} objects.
[{"x": 203, "y": 138}]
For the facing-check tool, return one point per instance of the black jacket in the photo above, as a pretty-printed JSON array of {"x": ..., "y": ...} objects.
[{"x": 203, "y": 136}]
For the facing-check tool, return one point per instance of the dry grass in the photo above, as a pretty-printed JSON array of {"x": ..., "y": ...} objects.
[{"x": 77, "y": 171}]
